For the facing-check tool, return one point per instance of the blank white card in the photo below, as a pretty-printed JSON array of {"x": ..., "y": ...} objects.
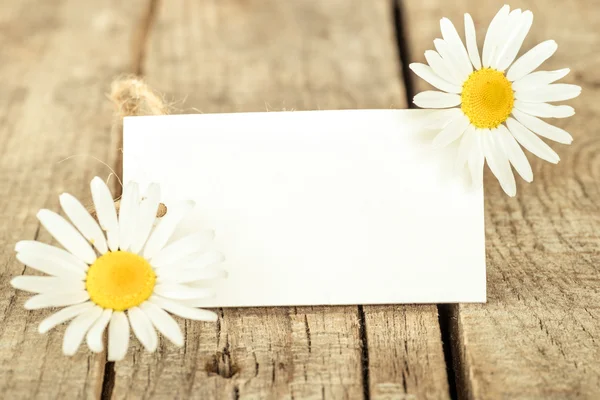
[{"x": 319, "y": 207}]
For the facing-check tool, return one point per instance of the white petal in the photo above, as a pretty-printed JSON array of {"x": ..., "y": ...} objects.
[
  {"x": 128, "y": 214},
  {"x": 433, "y": 99},
  {"x": 194, "y": 275},
  {"x": 118, "y": 336},
  {"x": 531, "y": 141},
  {"x": 146, "y": 218},
  {"x": 539, "y": 79},
  {"x": 165, "y": 229},
  {"x": 77, "y": 329},
  {"x": 427, "y": 74},
  {"x": 44, "y": 284},
  {"x": 95, "y": 335},
  {"x": 466, "y": 143},
  {"x": 83, "y": 221},
  {"x": 194, "y": 262},
  {"x": 183, "y": 311},
  {"x": 46, "y": 251},
  {"x": 515, "y": 154},
  {"x": 67, "y": 235},
  {"x": 143, "y": 329},
  {"x": 542, "y": 128},
  {"x": 471, "y": 39},
  {"x": 451, "y": 62},
  {"x": 505, "y": 34},
  {"x": 438, "y": 65},
  {"x": 476, "y": 160},
  {"x": 440, "y": 118},
  {"x": 163, "y": 322},
  {"x": 64, "y": 315},
  {"x": 451, "y": 132},
  {"x": 182, "y": 248},
  {"x": 531, "y": 60},
  {"x": 507, "y": 54},
  {"x": 457, "y": 47},
  {"x": 493, "y": 35},
  {"x": 50, "y": 266},
  {"x": 47, "y": 300},
  {"x": 549, "y": 93},
  {"x": 498, "y": 163},
  {"x": 545, "y": 110},
  {"x": 106, "y": 212},
  {"x": 180, "y": 292}
]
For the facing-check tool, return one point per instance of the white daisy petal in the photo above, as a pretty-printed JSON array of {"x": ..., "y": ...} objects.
[
  {"x": 515, "y": 154},
  {"x": 46, "y": 251},
  {"x": 549, "y": 93},
  {"x": 146, "y": 218},
  {"x": 450, "y": 59},
  {"x": 50, "y": 266},
  {"x": 427, "y": 74},
  {"x": 466, "y": 143},
  {"x": 509, "y": 30},
  {"x": 539, "y": 79},
  {"x": 83, "y": 221},
  {"x": 476, "y": 160},
  {"x": 94, "y": 337},
  {"x": 128, "y": 214},
  {"x": 451, "y": 37},
  {"x": 498, "y": 162},
  {"x": 544, "y": 110},
  {"x": 77, "y": 329},
  {"x": 181, "y": 292},
  {"x": 47, "y": 300},
  {"x": 64, "y": 315},
  {"x": 438, "y": 66},
  {"x": 193, "y": 262},
  {"x": 188, "y": 275},
  {"x": 471, "y": 40},
  {"x": 163, "y": 322},
  {"x": 180, "y": 249},
  {"x": 106, "y": 212},
  {"x": 440, "y": 118},
  {"x": 531, "y": 60},
  {"x": 183, "y": 311},
  {"x": 492, "y": 36},
  {"x": 531, "y": 141},
  {"x": 143, "y": 329},
  {"x": 118, "y": 336},
  {"x": 45, "y": 284},
  {"x": 67, "y": 235},
  {"x": 433, "y": 99},
  {"x": 451, "y": 132},
  {"x": 515, "y": 40},
  {"x": 163, "y": 231},
  {"x": 542, "y": 128}
]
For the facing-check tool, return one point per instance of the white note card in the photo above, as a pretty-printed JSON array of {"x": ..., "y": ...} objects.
[{"x": 319, "y": 207}]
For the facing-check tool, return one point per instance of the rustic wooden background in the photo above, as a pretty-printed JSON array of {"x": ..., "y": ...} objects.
[{"x": 537, "y": 338}]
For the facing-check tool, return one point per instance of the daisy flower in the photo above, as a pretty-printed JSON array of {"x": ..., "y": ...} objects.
[
  {"x": 492, "y": 104},
  {"x": 130, "y": 277}
]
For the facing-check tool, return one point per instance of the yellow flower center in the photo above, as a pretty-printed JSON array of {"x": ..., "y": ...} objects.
[
  {"x": 487, "y": 98},
  {"x": 120, "y": 280}
]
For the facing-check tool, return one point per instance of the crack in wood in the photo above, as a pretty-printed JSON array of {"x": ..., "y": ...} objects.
[{"x": 362, "y": 331}]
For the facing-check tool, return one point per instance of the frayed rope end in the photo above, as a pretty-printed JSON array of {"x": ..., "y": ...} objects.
[{"x": 133, "y": 97}]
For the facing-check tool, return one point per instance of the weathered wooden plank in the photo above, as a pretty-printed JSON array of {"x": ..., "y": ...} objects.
[
  {"x": 58, "y": 58},
  {"x": 538, "y": 335},
  {"x": 262, "y": 55}
]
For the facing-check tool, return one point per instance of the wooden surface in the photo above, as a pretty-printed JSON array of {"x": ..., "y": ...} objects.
[{"x": 537, "y": 338}]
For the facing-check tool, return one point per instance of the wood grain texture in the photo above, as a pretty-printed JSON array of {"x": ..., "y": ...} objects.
[
  {"x": 54, "y": 72},
  {"x": 539, "y": 335},
  {"x": 258, "y": 55}
]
